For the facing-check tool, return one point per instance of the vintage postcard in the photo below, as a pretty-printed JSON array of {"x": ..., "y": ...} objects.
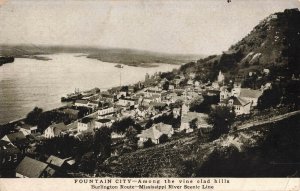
[{"x": 149, "y": 95}]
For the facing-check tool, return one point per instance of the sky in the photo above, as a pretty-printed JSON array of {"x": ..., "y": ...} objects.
[{"x": 186, "y": 27}]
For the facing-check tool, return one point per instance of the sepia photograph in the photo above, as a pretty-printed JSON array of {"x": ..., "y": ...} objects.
[{"x": 206, "y": 89}]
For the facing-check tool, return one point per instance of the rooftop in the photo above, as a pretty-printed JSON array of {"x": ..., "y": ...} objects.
[
  {"x": 151, "y": 133},
  {"x": 82, "y": 101},
  {"x": 32, "y": 168},
  {"x": 163, "y": 128},
  {"x": 56, "y": 161},
  {"x": 13, "y": 137},
  {"x": 237, "y": 101},
  {"x": 86, "y": 120},
  {"x": 194, "y": 115},
  {"x": 245, "y": 92},
  {"x": 71, "y": 111},
  {"x": 103, "y": 120}
]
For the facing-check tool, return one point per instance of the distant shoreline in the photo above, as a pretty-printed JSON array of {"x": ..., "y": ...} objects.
[{"x": 129, "y": 57}]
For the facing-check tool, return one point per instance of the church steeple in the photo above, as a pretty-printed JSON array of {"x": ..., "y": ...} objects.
[{"x": 221, "y": 77}]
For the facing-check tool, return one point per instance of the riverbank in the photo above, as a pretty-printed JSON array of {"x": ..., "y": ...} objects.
[{"x": 29, "y": 83}]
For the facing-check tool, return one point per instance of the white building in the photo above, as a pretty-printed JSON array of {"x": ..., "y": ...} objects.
[
  {"x": 81, "y": 103},
  {"x": 102, "y": 123},
  {"x": 221, "y": 77},
  {"x": 55, "y": 130},
  {"x": 126, "y": 102},
  {"x": 240, "y": 106},
  {"x": 155, "y": 132},
  {"x": 85, "y": 124},
  {"x": 224, "y": 93},
  {"x": 28, "y": 129},
  {"x": 104, "y": 111},
  {"x": 187, "y": 118}
]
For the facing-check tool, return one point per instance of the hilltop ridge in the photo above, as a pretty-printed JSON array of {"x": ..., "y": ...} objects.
[{"x": 274, "y": 43}]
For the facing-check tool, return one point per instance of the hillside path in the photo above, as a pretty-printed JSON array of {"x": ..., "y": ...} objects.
[{"x": 267, "y": 121}]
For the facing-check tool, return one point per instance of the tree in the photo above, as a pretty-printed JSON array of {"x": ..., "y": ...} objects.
[
  {"x": 122, "y": 125},
  {"x": 131, "y": 138},
  {"x": 32, "y": 117},
  {"x": 270, "y": 98},
  {"x": 193, "y": 123},
  {"x": 196, "y": 104},
  {"x": 163, "y": 138},
  {"x": 149, "y": 124},
  {"x": 202, "y": 105},
  {"x": 178, "y": 103},
  {"x": 102, "y": 143},
  {"x": 165, "y": 86},
  {"x": 148, "y": 143},
  {"x": 221, "y": 117},
  {"x": 168, "y": 75}
]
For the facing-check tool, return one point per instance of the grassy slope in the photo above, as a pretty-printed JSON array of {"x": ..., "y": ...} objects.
[{"x": 260, "y": 151}]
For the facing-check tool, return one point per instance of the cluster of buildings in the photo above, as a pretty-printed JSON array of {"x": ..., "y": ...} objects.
[{"x": 142, "y": 102}]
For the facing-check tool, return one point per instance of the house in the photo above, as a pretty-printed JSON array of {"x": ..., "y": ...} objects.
[
  {"x": 93, "y": 104},
  {"x": 127, "y": 102},
  {"x": 131, "y": 89},
  {"x": 213, "y": 93},
  {"x": 266, "y": 71},
  {"x": 152, "y": 92},
  {"x": 14, "y": 137},
  {"x": 55, "y": 130},
  {"x": 200, "y": 121},
  {"x": 176, "y": 112},
  {"x": 85, "y": 124},
  {"x": 236, "y": 91},
  {"x": 250, "y": 95},
  {"x": 185, "y": 108},
  {"x": 81, "y": 103},
  {"x": 108, "y": 97},
  {"x": 157, "y": 105},
  {"x": 152, "y": 133},
  {"x": 177, "y": 82},
  {"x": 153, "y": 98},
  {"x": 155, "y": 132},
  {"x": 192, "y": 75},
  {"x": 165, "y": 129},
  {"x": 190, "y": 82},
  {"x": 267, "y": 86},
  {"x": 215, "y": 85},
  {"x": 240, "y": 105},
  {"x": 31, "y": 168},
  {"x": 171, "y": 87},
  {"x": 9, "y": 156},
  {"x": 18, "y": 139},
  {"x": 103, "y": 123},
  {"x": 104, "y": 111},
  {"x": 224, "y": 93},
  {"x": 28, "y": 129},
  {"x": 58, "y": 163},
  {"x": 140, "y": 112},
  {"x": 122, "y": 94}
]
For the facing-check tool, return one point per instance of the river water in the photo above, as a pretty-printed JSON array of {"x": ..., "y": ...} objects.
[{"x": 27, "y": 83}]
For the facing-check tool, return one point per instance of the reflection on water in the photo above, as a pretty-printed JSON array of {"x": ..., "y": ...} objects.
[{"x": 27, "y": 83}]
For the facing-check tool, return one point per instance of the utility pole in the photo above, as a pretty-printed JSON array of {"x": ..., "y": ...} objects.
[{"x": 120, "y": 77}]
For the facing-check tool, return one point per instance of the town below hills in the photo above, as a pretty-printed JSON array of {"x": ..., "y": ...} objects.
[{"x": 229, "y": 115}]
